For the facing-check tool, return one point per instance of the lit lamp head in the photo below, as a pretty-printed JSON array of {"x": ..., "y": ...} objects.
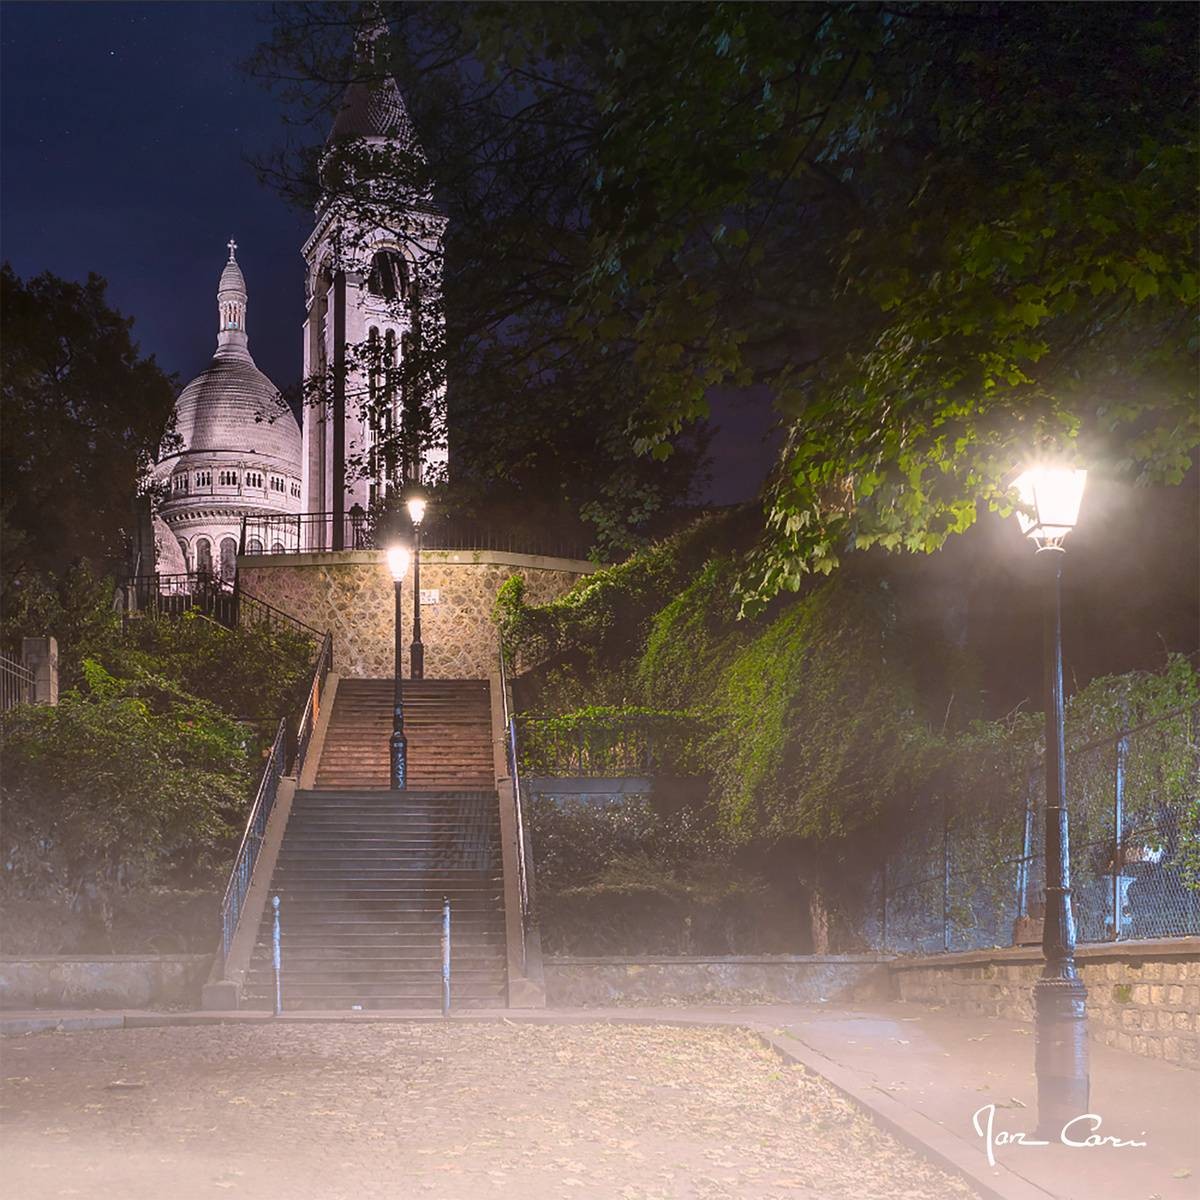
[
  {"x": 1052, "y": 495},
  {"x": 415, "y": 503},
  {"x": 398, "y": 558}
]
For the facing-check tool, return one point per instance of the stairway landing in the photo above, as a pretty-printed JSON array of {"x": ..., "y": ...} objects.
[{"x": 447, "y": 723}]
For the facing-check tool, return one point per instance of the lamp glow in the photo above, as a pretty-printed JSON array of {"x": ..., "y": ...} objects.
[
  {"x": 1054, "y": 494},
  {"x": 398, "y": 558},
  {"x": 416, "y": 509}
]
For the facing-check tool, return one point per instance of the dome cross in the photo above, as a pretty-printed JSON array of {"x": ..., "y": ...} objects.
[{"x": 232, "y": 247}]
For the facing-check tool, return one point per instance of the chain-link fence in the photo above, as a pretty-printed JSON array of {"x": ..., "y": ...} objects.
[{"x": 948, "y": 883}]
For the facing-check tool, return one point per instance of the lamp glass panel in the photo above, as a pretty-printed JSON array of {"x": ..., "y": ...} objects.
[
  {"x": 416, "y": 510},
  {"x": 1054, "y": 494},
  {"x": 398, "y": 558}
]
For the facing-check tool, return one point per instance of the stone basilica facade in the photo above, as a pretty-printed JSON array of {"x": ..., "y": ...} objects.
[
  {"x": 238, "y": 453},
  {"x": 236, "y": 447}
]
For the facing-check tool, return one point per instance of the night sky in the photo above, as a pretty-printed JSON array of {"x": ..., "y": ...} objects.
[{"x": 127, "y": 133}]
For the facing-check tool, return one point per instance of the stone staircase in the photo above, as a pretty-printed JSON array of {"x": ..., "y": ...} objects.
[
  {"x": 362, "y": 870},
  {"x": 447, "y": 723}
]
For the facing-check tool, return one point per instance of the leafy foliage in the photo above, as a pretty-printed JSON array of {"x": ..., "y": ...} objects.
[
  {"x": 628, "y": 877},
  {"x": 82, "y": 416},
  {"x": 125, "y": 782},
  {"x": 943, "y": 238},
  {"x": 138, "y": 779},
  {"x": 809, "y": 730}
]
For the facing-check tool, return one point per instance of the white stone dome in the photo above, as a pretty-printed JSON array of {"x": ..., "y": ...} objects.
[{"x": 233, "y": 408}]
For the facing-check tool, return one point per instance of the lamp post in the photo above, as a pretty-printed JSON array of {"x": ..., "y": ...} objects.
[
  {"x": 416, "y": 513},
  {"x": 1051, "y": 496},
  {"x": 398, "y": 558}
]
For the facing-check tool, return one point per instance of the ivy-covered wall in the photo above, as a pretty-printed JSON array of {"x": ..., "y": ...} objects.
[{"x": 832, "y": 729}]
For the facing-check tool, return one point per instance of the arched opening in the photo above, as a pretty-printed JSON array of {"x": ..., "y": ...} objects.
[
  {"x": 228, "y": 558},
  {"x": 254, "y": 545},
  {"x": 204, "y": 563},
  {"x": 183, "y": 546},
  {"x": 389, "y": 275}
]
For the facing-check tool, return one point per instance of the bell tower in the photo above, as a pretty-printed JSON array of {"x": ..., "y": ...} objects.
[{"x": 374, "y": 416}]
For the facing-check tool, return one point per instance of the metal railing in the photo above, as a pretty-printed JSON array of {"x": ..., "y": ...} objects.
[
  {"x": 208, "y": 594},
  {"x": 16, "y": 684},
  {"x": 242, "y": 873},
  {"x": 1134, "y": 865},
  {"x": 313, "y": 533},
  {"x": 252, "y": 839},
  {"x": 524, "y": 850},
  {"x": 312, "y": 708}
]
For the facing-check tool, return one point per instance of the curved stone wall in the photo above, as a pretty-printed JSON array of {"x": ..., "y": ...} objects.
[{"x": 351, "y": 593}]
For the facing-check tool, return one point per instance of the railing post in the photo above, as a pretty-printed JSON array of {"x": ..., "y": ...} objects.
[
  {"x": 883, "y": 888},
  {"x": 276, "y": 958},
  {"x": 445, "y": 956},
  {"x": 1120, "y": 751},
  {"x": 945, "y": 875}
]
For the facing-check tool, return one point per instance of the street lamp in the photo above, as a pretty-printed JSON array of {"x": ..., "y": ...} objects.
[
  {"x": 416, "y": 513},
  {"x": 398, "y": 558},
  {"x": 1051, "y": 497}
]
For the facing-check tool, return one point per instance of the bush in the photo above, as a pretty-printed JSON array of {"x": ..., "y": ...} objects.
[{"x": 125, "y": 784}]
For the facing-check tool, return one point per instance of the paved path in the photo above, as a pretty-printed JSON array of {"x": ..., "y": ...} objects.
[
  {"x": 344, "y": 1111},
  {"x": 924, "y": 1075}
]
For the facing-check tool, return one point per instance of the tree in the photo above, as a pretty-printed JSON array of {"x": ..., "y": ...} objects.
[
  {"x": 944, "y": 238},
  {"x": 83, "y": 413},
  {"x": 539, "y": 422}
]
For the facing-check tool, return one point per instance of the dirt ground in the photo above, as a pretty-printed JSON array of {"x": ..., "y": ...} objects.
[{"x": 458, "y": 1112}]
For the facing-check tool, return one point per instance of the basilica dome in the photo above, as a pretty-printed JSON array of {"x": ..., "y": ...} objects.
[{"x": 234, "y": 450}]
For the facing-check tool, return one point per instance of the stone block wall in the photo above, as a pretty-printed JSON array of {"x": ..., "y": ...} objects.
[
  {"x": 108, "y": 981},
  {"x": 729, "y": 979},
  {"x": 351, "y": 594},
  {"x": 1142, "y": 996}
]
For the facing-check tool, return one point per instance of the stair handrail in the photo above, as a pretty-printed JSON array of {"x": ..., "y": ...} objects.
[
  {"x": 242, "y": 872},
  {"x": 523, "y": 879},
  {"x": 308, "y": 720}
]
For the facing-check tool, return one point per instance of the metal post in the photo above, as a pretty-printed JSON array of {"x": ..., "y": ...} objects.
[
  {"x": 1059, "y": 997},
  {"x": 1122, "y": 747},
  {"x": 945, "y": 876},
  {"x": 276, "y": 958},
  {"x": 445, "y": 956},
  {"x": 399, "y": 744},
  {"x": 883, "y": 881},
  {"x": 418, "y": 648}
]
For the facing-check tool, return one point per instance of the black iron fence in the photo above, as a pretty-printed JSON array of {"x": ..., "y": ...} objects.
[
  {"x": 16, "y": 684},
  {"x": 210, "y": 595},
  {"x": 314, "y": 533},
  {"x": 947, "y": 884}
]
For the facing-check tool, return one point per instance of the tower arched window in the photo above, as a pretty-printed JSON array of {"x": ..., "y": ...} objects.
[
  {"x": 183, "y": 546},
  {"x": 204, "y": 561},
  {"x": 389, "y": 275},
  {"x": 389, "y": 367},
  {"x": 254, "y": 545},
  {"x": 373, "y": 364}
]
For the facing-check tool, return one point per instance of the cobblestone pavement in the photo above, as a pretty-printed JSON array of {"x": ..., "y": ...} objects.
[{"x": 326, "y": 1112}]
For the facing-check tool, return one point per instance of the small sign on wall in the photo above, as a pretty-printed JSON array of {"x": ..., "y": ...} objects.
[{"x": 431, "y": 596}]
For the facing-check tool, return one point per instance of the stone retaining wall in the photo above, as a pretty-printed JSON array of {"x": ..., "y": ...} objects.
[
  {"x": 351, "y": 594},
  {"x": 109, "y": 981},
  {"x": 782, "y": 979},
  {"x": 1143, "y": 996}
]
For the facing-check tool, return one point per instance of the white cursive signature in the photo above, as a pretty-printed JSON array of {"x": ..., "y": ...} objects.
[{"x": 1069, "y": 1135}]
